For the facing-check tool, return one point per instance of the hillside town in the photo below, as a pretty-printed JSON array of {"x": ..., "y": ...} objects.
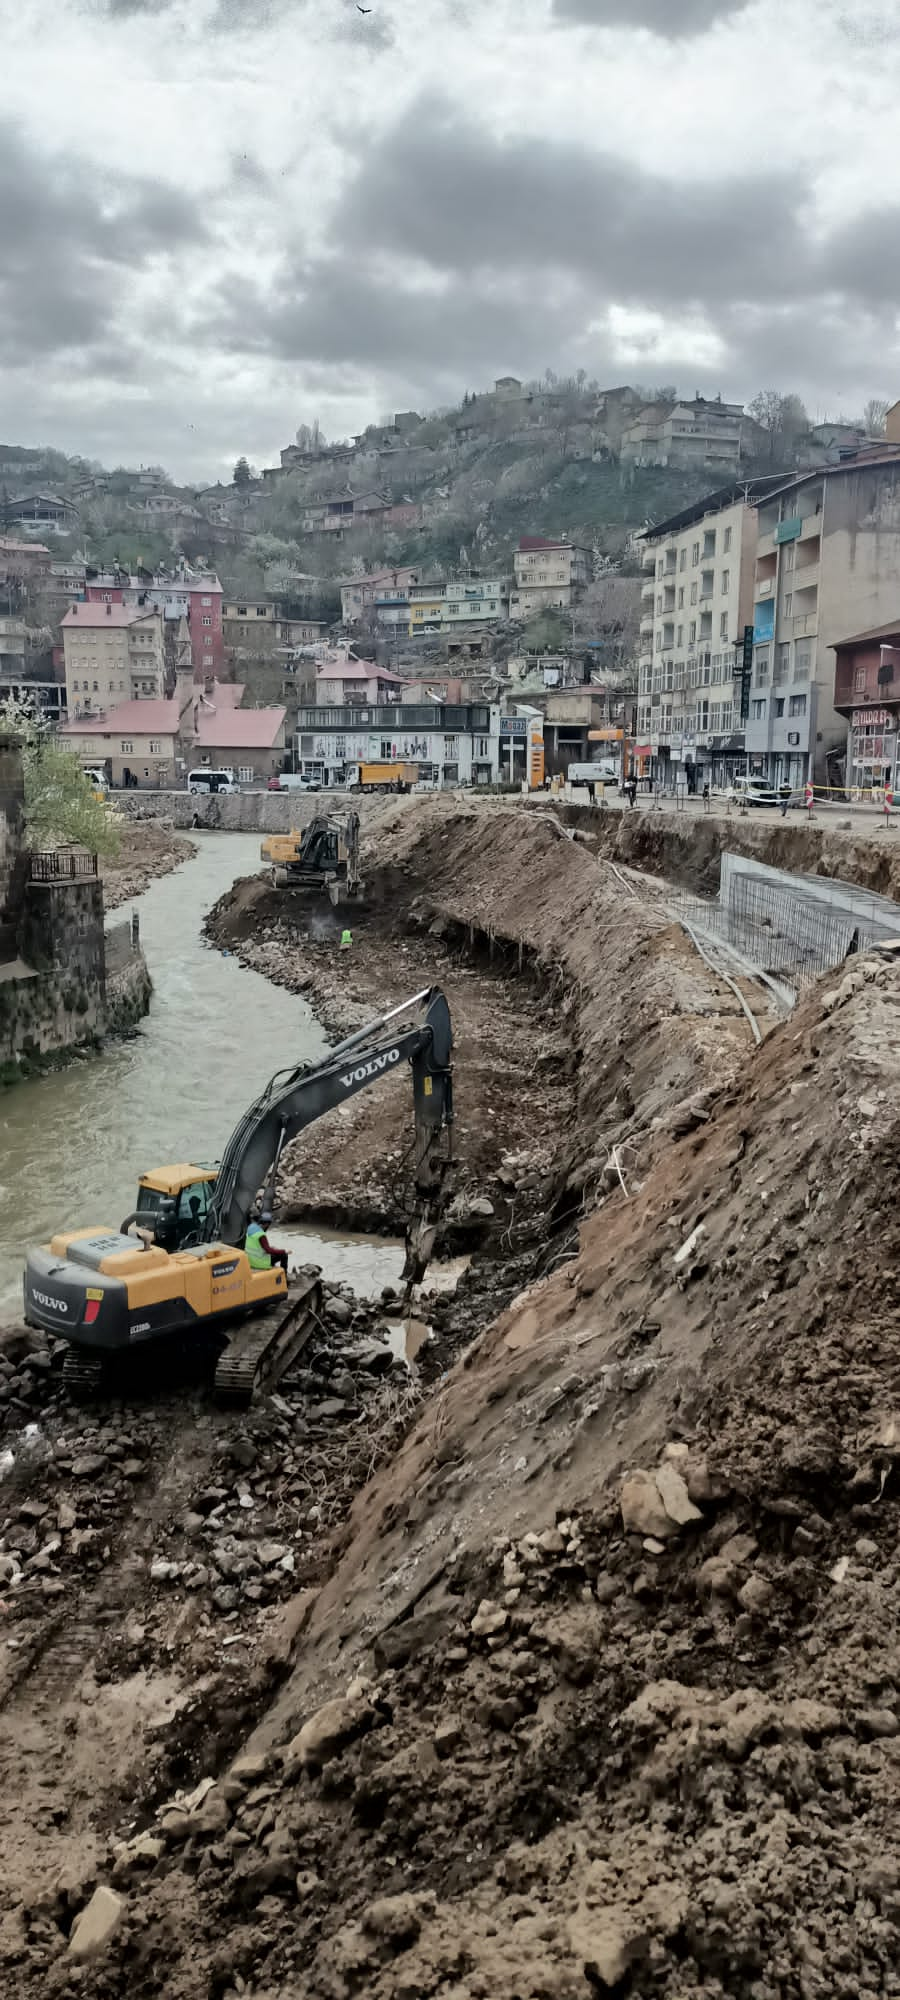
[{"x": 748, "y": 632}]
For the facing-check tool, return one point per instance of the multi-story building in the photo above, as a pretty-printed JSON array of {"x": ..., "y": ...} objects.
[
  {"x": 113, "y": 653},
  {"x": 867, "y": 695},
  {"x": 452, "y": 745},
  {"x": 343, "y": 681},
  {"x": 702, "y": 432},
  {"x": 153, "y": 744},
  {"x": 445, "y": 607},
  {"x": 361, "y": 594},
  {"x": 12, "y": 641},
  {"x": 196, "y": 598},
  {"x": 696, "y": 604},
  {"x": 827, "y": 562},
  {"x": 547, "y": 574}
]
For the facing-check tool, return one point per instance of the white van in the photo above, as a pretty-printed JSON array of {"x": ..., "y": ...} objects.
[{"x": 205, "y": 780}]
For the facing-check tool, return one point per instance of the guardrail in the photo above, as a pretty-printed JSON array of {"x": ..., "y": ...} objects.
[{"x": 62, "y": 867}]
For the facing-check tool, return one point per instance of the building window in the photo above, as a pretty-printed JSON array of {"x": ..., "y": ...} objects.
[
  {"x": 126, "y": 747},
  {"x": 779, "y": 705},
  {"x": 155, "y": 747},
  {"x": 693, "y": 593},
  {"x": 726, "y": 541},
  {"x": 682, "y": 560},
  {"x": 797, "y": 704},
  {"x": 783, "y": 660},
  {"x": 762, "y": 668},
  {"x": 859, "y": 681},
  {"x": 659, "y": 642},
  {"x": 723, "y": 625},
  {"x": 695, "y": 555},
  {"x": 758, "y": 709},
  {"x": 801, "y": 663},
  {"x": 261, "y": 610},
  {"x": 679, "y": 635},
  {"x": 681, "y": 597},
  {"x": 726, "y": 582},
  {"x": 206, "y": 621},
  {"x": 205, "y": 601},
  {"x": 692, "y": 631},
  {"x": 208, "y": 660},
  {"x": 482, "y": 748},
  {"x": 245, "y": 774},
  {"x": 788, "y": 602}
]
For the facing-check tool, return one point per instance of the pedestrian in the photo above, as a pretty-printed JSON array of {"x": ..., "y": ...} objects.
[
  {"x": 808, "y": 796},
  {"x": 706, "y": 797},
  {"x": 632, "y": 791},
  {"x": 888, "y": 803}
]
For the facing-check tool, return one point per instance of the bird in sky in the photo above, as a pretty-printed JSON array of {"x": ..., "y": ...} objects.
[{"x": 362, "y": 10}]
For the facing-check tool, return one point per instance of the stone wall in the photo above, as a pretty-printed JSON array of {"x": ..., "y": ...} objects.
[
  {"x": 233, "y": 812},
  {"x": 12, "y": 816}
]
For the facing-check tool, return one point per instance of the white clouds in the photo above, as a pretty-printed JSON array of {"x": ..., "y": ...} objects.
[{"x": 325, "y": 214}]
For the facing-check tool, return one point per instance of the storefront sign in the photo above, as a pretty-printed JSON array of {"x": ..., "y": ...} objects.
[
  {"x": 535, "y": 751},
  {"x": 514, "y": 725},
  {"x": 746, "y": 671},
  {"x": 875, "y": 718}
]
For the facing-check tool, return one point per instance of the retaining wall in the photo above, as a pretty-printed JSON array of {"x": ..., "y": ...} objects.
[{"x": 232, "y": 812}]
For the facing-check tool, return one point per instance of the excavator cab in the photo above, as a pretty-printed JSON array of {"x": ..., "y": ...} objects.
[{"x": 173, "y": 1204}]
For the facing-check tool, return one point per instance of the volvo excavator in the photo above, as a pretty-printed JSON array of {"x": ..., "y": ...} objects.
[
  {"x": 324, "y": 856},
  {"x": 185, "y": 1269}
]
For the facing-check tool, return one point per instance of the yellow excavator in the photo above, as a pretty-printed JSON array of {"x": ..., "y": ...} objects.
[
  {"x": 106, "y": 1291},
  {"x": 324, "y": 856}
]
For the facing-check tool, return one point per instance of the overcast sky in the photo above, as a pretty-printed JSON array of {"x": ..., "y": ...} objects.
[{"x": 222, "y": 218}]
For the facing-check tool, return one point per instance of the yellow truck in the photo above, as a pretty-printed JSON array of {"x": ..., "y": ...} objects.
[{"x": 393, "y": 777}]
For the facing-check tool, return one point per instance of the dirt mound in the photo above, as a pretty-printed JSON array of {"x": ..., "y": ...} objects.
[
  {"x": 609, "y": 1663},
  {"x": 147, "y": 849}
]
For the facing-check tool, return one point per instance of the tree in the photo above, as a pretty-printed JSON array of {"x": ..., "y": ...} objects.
[
  {"x": 874, "y": 415},
  {"x": 310, "y": 437},
  {"x": 60, "y": 806},
  {"x": 783, "y": 418},
  {"x": 242, "y": 475}
]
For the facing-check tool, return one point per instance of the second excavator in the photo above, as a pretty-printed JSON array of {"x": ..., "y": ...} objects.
[
  {"x": 185, "y": 1269},
  {"x": 324, "y": 857}
]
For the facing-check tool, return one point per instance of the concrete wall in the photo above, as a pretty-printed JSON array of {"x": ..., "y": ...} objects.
[
  {"x": 236, "y": 812},
  {"x": 12, "y": 813}
]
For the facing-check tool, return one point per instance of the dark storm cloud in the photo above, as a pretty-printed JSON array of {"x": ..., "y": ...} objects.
[
  {"x": 447, "y": 192},
  {"x": 672, "y": 18},
  {"x": 68, "y": 238},
  {"x": 354, "y": 313}
]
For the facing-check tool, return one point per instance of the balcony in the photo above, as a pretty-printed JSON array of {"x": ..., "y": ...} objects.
[
  {"x": 805, "y": 626},
  {"x": 789, "y": 530}
]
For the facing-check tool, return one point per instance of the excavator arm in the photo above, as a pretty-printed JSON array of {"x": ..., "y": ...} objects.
[{"x": 296, "y": 1098}]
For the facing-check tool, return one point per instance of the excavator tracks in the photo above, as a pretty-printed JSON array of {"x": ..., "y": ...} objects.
[
  {"x": 82, "y": 1374},
  {"x": 258, "y": 1354}
]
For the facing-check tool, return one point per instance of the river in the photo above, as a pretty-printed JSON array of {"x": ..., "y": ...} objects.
[{"x": 73, "y": 1143}]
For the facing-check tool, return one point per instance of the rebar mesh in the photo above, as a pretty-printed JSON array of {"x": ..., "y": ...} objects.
[{"x": 792, "y": 936}]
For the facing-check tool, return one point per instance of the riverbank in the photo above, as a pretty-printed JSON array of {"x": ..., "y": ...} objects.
[
  {"x": 148, "y": 849},
  {"x": 591, "y": 1681}
]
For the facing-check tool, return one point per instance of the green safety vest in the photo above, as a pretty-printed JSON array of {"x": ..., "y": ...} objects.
[{"x": 259, "y": 1259}]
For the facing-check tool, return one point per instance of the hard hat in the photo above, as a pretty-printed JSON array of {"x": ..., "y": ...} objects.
[{"x": 265, "y": 1215}]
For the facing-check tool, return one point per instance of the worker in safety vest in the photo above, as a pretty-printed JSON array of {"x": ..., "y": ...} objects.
[
  {"x": 260, "y": 1252},
  {"x": 346, "y": 940}
]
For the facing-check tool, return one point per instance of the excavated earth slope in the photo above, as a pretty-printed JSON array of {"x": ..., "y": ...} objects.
[{"x": 601, "y": 1693}]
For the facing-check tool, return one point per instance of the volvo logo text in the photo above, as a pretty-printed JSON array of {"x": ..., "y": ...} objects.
[
  {"x": 53, "y": 1305},
  {"x": 373, "y": 1068}
]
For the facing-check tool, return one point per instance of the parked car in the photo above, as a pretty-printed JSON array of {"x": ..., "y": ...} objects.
[{"x": 753, "y": 792}]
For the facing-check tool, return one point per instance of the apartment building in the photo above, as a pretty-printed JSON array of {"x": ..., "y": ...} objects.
[
  {"x": 113, "y": 653},
  {"x": 703, "y": 432},
  {"x": 198, "y": 598},
  {"x": 827, "y": 564},
  {"x": 547, "y": 574},
  {"x": 364, "y": 596},
  {"x": 696, "y": 604},
  {"x": 867, "y": 695},
  {"x": 445, "y": 607}
]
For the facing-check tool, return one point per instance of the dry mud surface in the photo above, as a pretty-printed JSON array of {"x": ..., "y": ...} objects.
[{"x": 585, "y": 1676}]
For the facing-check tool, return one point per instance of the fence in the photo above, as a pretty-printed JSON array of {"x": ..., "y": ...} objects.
[
  {"x": 785, "y": 926},
  {"x": 62, "y": 867}
]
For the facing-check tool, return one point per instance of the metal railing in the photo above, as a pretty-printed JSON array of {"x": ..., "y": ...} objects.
[{"x": 62, "y": 867}]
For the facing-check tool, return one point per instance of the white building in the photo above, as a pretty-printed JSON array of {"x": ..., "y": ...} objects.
[
  {"x": 703, "y": 432},
  {"x": 547, "y": 574},
  {"x": 696, "y": 604},
  {"x": 452, "y": 744}
]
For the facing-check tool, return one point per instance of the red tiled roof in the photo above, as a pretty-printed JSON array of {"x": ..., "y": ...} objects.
[
  {"x": 356, "y": 670},
  {"x": 110, "y": 615},
  {"x": 238, "y": 729},
  {"x": 527, "y": 542},
  {"x": 129, "y": 718}
]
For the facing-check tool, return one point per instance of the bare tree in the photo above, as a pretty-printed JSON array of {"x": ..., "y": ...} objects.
[
  {"x": 874, "y": 415},
  {"x": 783, "y": 418},
  {"x": 310, "y": 437}
]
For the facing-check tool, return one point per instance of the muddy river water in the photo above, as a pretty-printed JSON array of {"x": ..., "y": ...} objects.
[{"x": 72, "y": 1144}]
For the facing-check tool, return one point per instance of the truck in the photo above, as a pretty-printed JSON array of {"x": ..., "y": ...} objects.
[{"x": 389, "y": 777}]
